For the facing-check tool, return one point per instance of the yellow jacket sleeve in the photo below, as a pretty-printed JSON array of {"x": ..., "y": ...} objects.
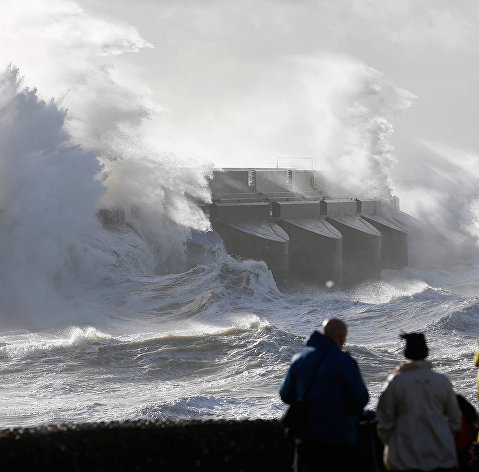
[{"x": 476, "y": 358}]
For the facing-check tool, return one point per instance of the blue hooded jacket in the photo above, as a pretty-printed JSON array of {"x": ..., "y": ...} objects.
[{"x": 337, "y": 396}]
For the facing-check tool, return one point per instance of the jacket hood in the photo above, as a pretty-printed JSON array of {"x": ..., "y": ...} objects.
[
  {"x": 411, "y": 365},
  {"x": 320, "y": 341}
]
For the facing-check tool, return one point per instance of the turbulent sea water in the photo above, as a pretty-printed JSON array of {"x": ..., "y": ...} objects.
[{"x": 215, "y": 342}]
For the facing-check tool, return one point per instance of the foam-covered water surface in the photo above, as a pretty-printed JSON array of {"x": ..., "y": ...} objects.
[{"x": 216, "y": 341}]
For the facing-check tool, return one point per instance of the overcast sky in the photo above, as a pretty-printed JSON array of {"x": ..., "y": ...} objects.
[{"x": 206, "y": 51}]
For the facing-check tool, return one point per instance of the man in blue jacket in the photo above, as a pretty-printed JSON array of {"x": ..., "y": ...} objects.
[{"x": 336, "y": 397}]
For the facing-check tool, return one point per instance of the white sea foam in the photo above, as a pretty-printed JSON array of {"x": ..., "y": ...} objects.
[
  {"x": 37, "y": 343},
  {"x": 386, "y": 291}
]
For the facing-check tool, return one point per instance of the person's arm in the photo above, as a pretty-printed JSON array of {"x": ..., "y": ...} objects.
[
  {"x": 386, "y": 413},
  {"x": 357, "y": 392},
  {"x": 452, "y": 410},
  {"x": 476, "y": 358},
  {"x": 288, "y": 389}
]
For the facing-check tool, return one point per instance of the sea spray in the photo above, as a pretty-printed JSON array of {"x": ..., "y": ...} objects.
[
  {"x": 353, "y": 149},
  {"x": 59, "y": 167},
  {"x": 149, "y": 170},
  {"x": 53, "y": 248},
  {"x": 440, "y": 188},
  {"x": 48, "y": 196}
]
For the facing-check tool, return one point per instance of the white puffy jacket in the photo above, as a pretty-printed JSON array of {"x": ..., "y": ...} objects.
[{"x": 418, "y": 414}]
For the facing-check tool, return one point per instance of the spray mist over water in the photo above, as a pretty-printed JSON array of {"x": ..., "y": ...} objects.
[
  {"x": 110, "y": 111},
  {"x": 352, "y": 143},
  {"x": 48, "y": 192},
  {"x": 58, "y": 167},
  {"x": 438, "y": 185},
  {"x": 52, "y": 246}
]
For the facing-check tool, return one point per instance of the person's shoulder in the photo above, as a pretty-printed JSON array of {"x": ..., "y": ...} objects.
[
  {"x": 344, "y": 359},
  {"x": 397, "y": 380},
  {"x": 300, "y": 356},
  {"x": 346, "y": 356},
  {"x": 438, "y": 377}
]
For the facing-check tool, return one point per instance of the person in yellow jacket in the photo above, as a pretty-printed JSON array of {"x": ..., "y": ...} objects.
[{"x": 476, "y": 363}]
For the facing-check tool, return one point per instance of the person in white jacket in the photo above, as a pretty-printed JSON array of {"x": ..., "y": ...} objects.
[{"x": 418, "y": 414}]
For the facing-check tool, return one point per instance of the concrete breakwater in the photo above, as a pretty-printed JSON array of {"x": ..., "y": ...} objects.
[
  {"x": 285, "y": 218},
  {"x": 213, "y": 445}
]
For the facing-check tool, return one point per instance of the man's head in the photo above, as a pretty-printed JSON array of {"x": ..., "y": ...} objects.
[{"x": 336, "y": 330}]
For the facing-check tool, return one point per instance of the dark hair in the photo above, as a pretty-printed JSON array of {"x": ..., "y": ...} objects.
[
  {"x": 416, "y": 348},
  {"x": 468, "y": 411}
]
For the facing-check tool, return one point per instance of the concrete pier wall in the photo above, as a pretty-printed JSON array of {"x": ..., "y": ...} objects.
[
  {"x": 111, "y": 216},
  {"x": 361, "y": 242},
  {"x": 213, "y": 446},
  {"x": 248, "y": 231},
  {"x": 281, "y": 216},
  {"x": 315, "y": 250},
  {"x": 315, "y": 246},
  {"x": 230, "y": 182},
  {"x": 394, "y": 246},
  {"x": 361, "y": 254},
  {"x": 272, "y": 180},
  {"x": 343, "y": 241}
]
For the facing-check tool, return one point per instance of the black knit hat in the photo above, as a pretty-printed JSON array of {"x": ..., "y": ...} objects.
[{"x": 416, "y": 348}]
